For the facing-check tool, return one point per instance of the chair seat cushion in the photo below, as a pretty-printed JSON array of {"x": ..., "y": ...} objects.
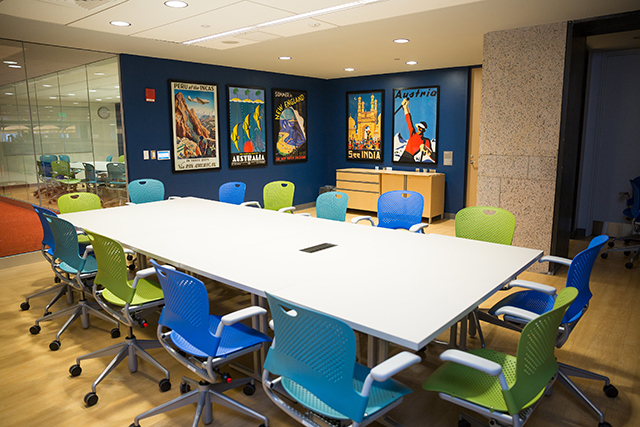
[
  {"x": 90, "y": 266},
  {"x": 533, "y": 301},
  {"x": 146, "y": 291},
  {"x": 234, "y": 338},
  {"x": 381, "y": 395},
  {"x": 474, "y": 386}
]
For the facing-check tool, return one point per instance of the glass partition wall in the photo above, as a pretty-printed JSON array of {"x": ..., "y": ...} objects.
[{"x": 59, "y": 122}]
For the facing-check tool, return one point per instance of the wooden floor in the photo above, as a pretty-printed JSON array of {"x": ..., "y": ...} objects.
[{"x": 36, "y": 388}]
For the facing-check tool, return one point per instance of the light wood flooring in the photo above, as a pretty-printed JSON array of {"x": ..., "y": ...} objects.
[{"x": 36, "y": 388}]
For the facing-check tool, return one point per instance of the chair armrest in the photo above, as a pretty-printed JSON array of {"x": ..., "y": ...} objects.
[
  {"x": 129, "y": 203},
  {"x": 253, "y": 204},
  {"x": 545, "y": 289},
  {"x": 88, "y": 250},
  {"x": 144, "y": 273},
  {"x": 389, "y": 368},
  {"x": 304, "y": 214},
  {"x": 516, "y": 313},
  {"x": 357, "y": 219},
  {"x": 174, "y": 197},
  {"x": 236, "y": 316},
  {"x": 289, "y": 209},
  {"x": 418, "y": 228},
  {"x": 556, "y": 259},
  {"x": 476, "y": 362}
]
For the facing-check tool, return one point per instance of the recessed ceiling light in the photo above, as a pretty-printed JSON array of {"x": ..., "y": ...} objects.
[
  {"x": 400, "y": 41},
  {"x": 411, "y": 62},
  {"x": 98, "y": 99},
  {"x": 75, "y": 103},
  {"x": 205, "y": 26},
  {"x": 8, "y": 93},
  {"x": 230, "y": 42},
  {"x": 175, "y": 3},
  {"x": 284, "y": 58},
  {"x": 98, "y": 74},
  {"x": 314, "y": 25},
  {"x": 46, "y": 85},
  {"x": 14, "y": 66},
  {"x": 349, "y": 69},
  {"x": 10, "y": 62},
  {"x": 52, "y": 97},
  {"x": 120, "y": 23},
  {"x": 71, "y": 94},
  {"x": 92, "y": 90},
  {"x": 116, "y": 87}
]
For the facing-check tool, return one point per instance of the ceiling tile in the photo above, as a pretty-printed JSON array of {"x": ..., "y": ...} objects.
[{"x": 56, "y": 11}]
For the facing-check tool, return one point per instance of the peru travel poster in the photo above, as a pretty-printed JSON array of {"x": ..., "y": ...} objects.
[
  {"x": 364, "y": 125},
  {"x": 289, "y": 125},
  {"x": 195, "y": 126},
  {"x": 247, "y": 133}
]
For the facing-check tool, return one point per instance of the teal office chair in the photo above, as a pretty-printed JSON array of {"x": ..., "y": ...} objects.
[
  {"x": 498, "y": 386},
  {"x": 91, "y": 180},
  {"x": 314, "y": 357},
  {"x": 203, "y": 342},
  {"x": 76, "y": 271},
  {"x": 332, "y": 205},
  {"x": 146, "y": 190},
  {"x": 398, "y": 209},
  {"x": 277, "y": 196},
  {"x": 539, "y": 299},
  {"x": 232, "y": 192},
  {"x": 128, "y": 302},
  {"x": 109, "y": 158},
  {"x": 632, "y": 212},
  {"x": 116, "y": 177},
  {"x": 64, "y": 158}
]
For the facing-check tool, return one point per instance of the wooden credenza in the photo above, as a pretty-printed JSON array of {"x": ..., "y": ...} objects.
[{"x": 365, "y": 185}]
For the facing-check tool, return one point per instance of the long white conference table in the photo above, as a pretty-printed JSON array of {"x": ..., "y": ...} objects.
[{"x": 396, "y": 286}]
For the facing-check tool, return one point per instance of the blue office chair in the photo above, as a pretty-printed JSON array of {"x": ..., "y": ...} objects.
[
  {"x": 398, "y": 209},
  {"x": 74, "y": 270},
  {"x": 539, "y": 299},
  {"x": 314, "y": 357},
  {"x": 332, "y": 205},
  {"x": 633, "y": 212},
  {"x": 146, "y": 190},
  {"x": 232, "y": 192},
  {"x": 203, "y": 342}
]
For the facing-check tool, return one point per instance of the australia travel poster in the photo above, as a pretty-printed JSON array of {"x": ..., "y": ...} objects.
[
  {"x": 195, "y": 126},
  {"x": 289, "y": 125},
  {"x": 247, "y": 133},
  {"x": 364, "y": 125},
  {"x": 415, "y": 125}
]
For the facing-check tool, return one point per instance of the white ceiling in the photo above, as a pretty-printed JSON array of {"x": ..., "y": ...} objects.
[{"x": 442, "y": 33}]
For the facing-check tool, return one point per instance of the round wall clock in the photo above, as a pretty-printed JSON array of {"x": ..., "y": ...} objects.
[{"x": 104, "y": 113}]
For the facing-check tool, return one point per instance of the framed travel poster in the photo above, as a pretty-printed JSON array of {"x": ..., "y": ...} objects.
[
  {"x": 289, "y": 125},
  {"x": 364, "y": 125},
  {"x": 247, "y": 132},
  {"x": 195, "y": 139},
  {"x": 415, "y": 125}
]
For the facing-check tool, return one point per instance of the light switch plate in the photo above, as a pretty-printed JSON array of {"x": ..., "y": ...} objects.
[
  {"x": 145, "y": 154},
  {"x": 447, "y": 158}
]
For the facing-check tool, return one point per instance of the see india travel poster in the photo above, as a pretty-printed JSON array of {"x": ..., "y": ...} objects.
[
  {"x": 289, "y": 125},
  {"x": 247, "y": 133},
  {"x": 364, "y": 125},
  {"x": 195, "y": 126}
]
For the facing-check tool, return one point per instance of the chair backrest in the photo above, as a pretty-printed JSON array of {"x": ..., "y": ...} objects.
[
  {"x": 116, "y": 172},
  {"x": 112, "y": 266},
  {"x": 109, "y": 158},
  {"x": 48, "y": 158},
  {"x": 47, "y": 236},
  {"x": 485, "y": 223},
  {"x": 332, "y": 205},
  {"x": 64, "y": 158},
  {"x": 278, "y": 194},
  {"x": 232, "y": 192},
  {"x": 535, "y": 360},
  {"x": 89, "y": 172},
  {"x": 146, "y": 190},
  {"x": 77, "y": 202},
  {"x": 400, "y": 209},
  {"x": 186, "y": 308},
  {"x": 67, "y": 247},
  {"x": 318, "y": 352},
  {"x": 121, "y": 158},
  {"x": 60, "y": 168},
  {"x": 579, "y": 274}
]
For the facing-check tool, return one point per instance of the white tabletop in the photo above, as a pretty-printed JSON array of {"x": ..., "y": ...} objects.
[
  {"x": 401, "y": 287},
  {"x": 100, "y": 166}
]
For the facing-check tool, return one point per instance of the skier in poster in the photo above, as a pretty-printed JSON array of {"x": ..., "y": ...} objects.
[{"x": 417, "y": 141}]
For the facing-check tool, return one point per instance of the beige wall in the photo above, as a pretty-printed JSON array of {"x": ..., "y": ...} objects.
[{"x": 522, "y": 79}]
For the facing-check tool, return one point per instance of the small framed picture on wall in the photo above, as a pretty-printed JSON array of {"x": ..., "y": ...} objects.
[{"x": 364, "y": 125}]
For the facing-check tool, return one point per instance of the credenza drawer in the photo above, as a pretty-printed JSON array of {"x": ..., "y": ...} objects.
[
  {"x": 358, "y": 177},
  {"x": 372, "y": 187}
]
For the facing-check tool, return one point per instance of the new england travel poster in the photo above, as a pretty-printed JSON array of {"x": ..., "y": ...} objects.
[
  {"x": 247, "y": 133},
  {"x": 364, "y": 125},
  {"x": 195, "y": 126},
  {"x": 289, "y": 125}
]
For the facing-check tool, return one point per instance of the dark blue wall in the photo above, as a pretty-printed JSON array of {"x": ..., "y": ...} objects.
[{"x": 147, "y": 126}]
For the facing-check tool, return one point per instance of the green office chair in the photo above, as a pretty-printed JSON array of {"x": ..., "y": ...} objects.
[
  {"x": 78, "y": 202},
  {"x": 121, "y": 159},
  {"x": 61, "y": 173},
  {"x": 277, "y": 196},
  {"x": 127, "y": 301},
  {"x": 500, "y": 387}
]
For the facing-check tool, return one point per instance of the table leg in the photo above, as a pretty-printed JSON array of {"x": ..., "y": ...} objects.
[{"x": 372, "y": 351}]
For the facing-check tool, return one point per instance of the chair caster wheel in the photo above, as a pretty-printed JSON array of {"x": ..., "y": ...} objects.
[
  {"x": 115, "y": 333},
  {"x": 57, "y": 280},
  {"x": 75, "y": 370},
  {"x": 604, "y": 255},
  {"x": 129, "y": 257},
  {"x": 464, "y": 423},
  {"x": 131, "y": 267},
  {"x": 25, "y": 306},
  {"x": 629, "y": 265},
  {"x": 249, "y": 389},
  {"x": 610, "y": 390},
  {"x": 46, "y": 313},
  {"x": 35, "y": 329},
  {"x": 164, "y": 384},
  {"x": 91, "y": 399},
  {"x": 627, "y": 253},
  {"x": 184, "y": 388},
  {"x": 604, "y": 424},
  {"x": 55, "y": 345},
  {"x": 611, "y": 244},
  {"x": 626, "y": 241}
]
